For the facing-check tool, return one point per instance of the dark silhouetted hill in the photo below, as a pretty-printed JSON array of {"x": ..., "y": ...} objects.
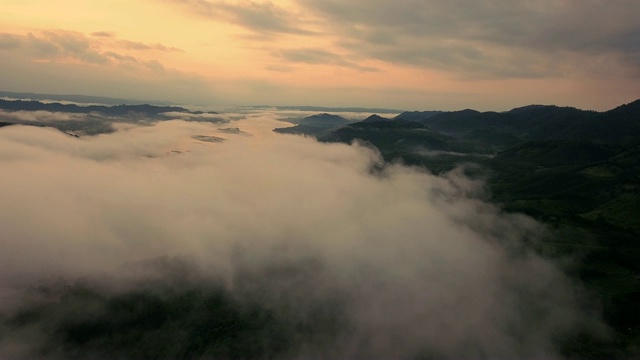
[
  {"x": 79, "y": 98},
  {"x": 577, "y": 171},
  {"x": 375, "y": 118},
  {"x": 416, "y": 115},
  {"x": 93, "y": 119},
  {"x": 117, "y": 110},
  {"x": 315, "y": 125}
]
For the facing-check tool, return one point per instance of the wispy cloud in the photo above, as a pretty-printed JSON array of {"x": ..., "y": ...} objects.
[
  {"x": 135, "y": 45},
  {"x": 10, "y": 41},
  {"x": 485, "y": 39},
  {"x": 71, "y": 62},
  {"x": 104, "y": 34},
  {"x": 40, "y": 116},
  {"x": 262, "y": 18},
  {"x": 62, "y": 45},
  {"x": 279, "y": 68},
  {"x": 318, "y": 56}
]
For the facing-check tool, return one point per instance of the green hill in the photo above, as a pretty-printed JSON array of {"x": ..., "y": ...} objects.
[{"x": 577, "y": 171}]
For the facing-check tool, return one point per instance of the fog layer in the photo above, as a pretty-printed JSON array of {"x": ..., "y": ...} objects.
[{"x": 416, "y": 264}]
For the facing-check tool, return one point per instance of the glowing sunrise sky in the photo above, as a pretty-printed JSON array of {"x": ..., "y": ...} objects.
[{"x": 403, "y": 54}]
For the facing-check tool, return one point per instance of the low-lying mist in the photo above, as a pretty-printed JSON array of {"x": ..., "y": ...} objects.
[{"x": 150, "y": 243}]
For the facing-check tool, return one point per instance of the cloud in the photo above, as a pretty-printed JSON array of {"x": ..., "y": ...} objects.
[
  {"x": 121, "y": 58},
  {"x": 126, "y": 76},
  {"x": 9, "y": 41},
  {"x": 71, "y": 43},
  {"x": 473, "y": 39},
  {"x": 289, "y": 115},
  {"x": 100, "y": 48},
  {"x": 59, "y": 44},
  {"x": 104, "y": 34},
  {"x": 135, "y": 45},
  {"x": 211, "y": 117},
  {"x": 39, "y": 116},
  {"x": 318, "y": 56},
  {"x": 43, "y": 60},
  {"x": 263, "y": 18},
  {"x": 279, "y": 68},
  {"x": 412, "y": 264},
  {"x": 483, "y": 36}
]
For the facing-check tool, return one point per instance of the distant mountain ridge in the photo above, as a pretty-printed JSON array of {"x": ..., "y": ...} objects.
[
  {"x": 535, "y": 156},
  {"x": 326, "y": 109},
  {"x": 116, "y": 110},
  {"x": 93, "y": 119},
  {"x": 323, "y": 119},
  {"x": 315, "y": 125},
  {"x": 538, "y": 122},
  {"x": 417, "y": 115},
  {"x": 375, "y": 118},
  {"x": 470, "y": 131},
  {"x": 87, "y": 99}
]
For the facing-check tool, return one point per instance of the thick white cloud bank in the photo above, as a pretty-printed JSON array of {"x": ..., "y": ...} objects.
[{"x": 417, "y": 262}]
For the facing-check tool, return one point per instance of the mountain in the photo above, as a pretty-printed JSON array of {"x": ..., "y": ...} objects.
[
  {"x": 576, "y": 171},
  {"x": 325, "y": 109},
  {"x": 79, "y": 98},
  {"x": 323, "y": 120},
  {"x": 530, "y": 123},
  {"x": 493, "y": 131},
  {"x": 375, "y": 118},
  {"x": 315, "y": 125},
  {"x": 540, "y": 123},
  {"x": 117, "y": 110},
  {"x": 621, "y": 124},
  {"x": 395, "y": 139},
  {"x": 92, "y": 119},
  {"x": 558, "y": 152},
  {"x": 580, "y": 158},
  {"x": 416, "y": 115}
]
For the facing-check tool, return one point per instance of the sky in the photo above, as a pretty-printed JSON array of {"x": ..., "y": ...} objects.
[{"x": 402, "y": 54}]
